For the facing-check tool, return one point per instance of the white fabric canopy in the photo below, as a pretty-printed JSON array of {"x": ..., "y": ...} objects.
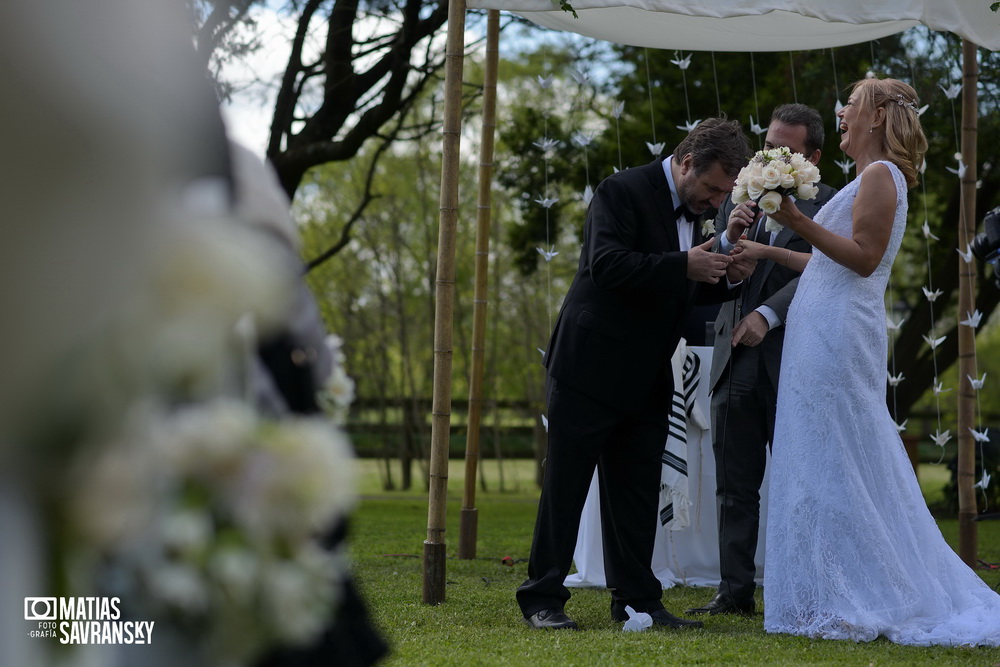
[{"x": 756, "y": 25}]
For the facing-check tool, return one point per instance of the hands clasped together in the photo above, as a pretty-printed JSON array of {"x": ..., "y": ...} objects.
[{"x": 709, "y": 267}]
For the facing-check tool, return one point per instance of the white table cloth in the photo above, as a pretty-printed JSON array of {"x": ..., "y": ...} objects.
[{"x": 689, "y": 556}]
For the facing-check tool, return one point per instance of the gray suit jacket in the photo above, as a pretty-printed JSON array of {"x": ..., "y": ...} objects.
[{"x": 777, "y": 289}]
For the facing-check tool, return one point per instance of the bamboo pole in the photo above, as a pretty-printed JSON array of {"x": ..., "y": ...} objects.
[
  {"x": 444, "y": 306},
  {"x": 967, "y": 531},
  {"x": 470, "y": 515}
]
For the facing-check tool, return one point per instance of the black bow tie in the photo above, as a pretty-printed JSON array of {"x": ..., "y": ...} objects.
[{"x": 683, "y": 210}]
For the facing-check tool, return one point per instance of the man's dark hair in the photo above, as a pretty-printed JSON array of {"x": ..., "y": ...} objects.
[
  {"x": 716, "y": 140},
  {"x": 800, "y": 114}
]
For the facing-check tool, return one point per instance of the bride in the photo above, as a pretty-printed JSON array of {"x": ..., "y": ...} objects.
[{"x": 852, "y": 551}]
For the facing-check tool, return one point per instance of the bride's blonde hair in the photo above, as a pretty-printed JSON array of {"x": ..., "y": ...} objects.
[{"x": 904, "y": 144}]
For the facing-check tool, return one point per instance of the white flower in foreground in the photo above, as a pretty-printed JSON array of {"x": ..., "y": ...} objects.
[
  {"x": 186, "y": 530},
  {"x": 205, "y": 440},
  {"x": 335, "y": 346},
  {"x": 298, "y": 595},
  {"x": 237, "y": 571},
  {"x": 708, "y": 227},
  {"x": 178, "y": 586}
]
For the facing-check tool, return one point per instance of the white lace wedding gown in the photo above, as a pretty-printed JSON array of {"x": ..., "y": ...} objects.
[{"x": 852, "y": 552}]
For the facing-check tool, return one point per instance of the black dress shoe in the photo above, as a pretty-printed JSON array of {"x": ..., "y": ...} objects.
[
  {"x": 723, "y": 604},
  {"x": 660, "y": 617},
  {"x": 551, "y": 619},
  {"x": 664, "y": 617}
]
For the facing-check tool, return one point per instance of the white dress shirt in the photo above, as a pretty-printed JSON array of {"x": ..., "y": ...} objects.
[{"x": 685, "y": 227}]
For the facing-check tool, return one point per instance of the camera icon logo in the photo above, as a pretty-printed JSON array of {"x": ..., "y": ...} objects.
[{"x": 40, "y": 609}]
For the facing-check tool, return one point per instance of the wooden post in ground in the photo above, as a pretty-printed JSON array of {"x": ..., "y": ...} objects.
[
  {"x": 444, "y": 308},
  {"x": 470, "y": 515},
  {"x": 967, "y": 532}
]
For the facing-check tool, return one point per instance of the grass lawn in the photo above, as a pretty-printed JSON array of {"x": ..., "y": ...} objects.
[{"x": 479, "y": 622}]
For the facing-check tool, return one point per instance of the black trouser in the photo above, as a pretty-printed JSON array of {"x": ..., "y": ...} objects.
[
  {"x": 626, "y": 449},
  {"x": 743, "y": 407}
]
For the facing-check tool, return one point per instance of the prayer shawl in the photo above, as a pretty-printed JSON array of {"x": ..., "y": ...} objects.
[{"x": 674, "y": 499}]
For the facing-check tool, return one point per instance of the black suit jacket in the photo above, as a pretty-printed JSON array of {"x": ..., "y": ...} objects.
[
  {"x": 627, "y": 305},
  {"x": 777, "y": 290}
]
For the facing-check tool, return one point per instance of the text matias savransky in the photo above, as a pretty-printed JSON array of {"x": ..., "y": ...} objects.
[{"x": 85, "y": 620}]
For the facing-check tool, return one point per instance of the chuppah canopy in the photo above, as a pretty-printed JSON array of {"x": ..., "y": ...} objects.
[
  {"x": 752, "y": 25},
  {"x": 706, "y": 25}
]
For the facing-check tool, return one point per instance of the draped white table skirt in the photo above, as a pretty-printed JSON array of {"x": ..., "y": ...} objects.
[{"x": 689, "y": 556}]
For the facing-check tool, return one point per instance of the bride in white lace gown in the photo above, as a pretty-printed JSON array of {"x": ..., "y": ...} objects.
[{"x": 852, "y": 551}]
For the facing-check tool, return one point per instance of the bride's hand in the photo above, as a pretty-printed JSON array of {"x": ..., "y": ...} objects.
[
  {"x": 787, "y": 214},
  {"x": 748, "y": 249}
]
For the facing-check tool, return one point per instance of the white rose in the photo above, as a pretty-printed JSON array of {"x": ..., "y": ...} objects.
[
  {"x": 740, "y": 194},
  {"x": 179, "y": 586},
  {"x": 788, "y": 180},
  {"x": 186, "y": 530},
  {"x": 770, "y": 202},
  {"x": 806, "y": 191},
  {"x": 772, "y": 177}
]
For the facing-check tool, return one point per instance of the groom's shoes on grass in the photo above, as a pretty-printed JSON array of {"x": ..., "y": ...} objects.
[
  {"x": 551, "y": 619},
  {"x": 723, "y": 604},
  {"x": 660, "y": 617}
]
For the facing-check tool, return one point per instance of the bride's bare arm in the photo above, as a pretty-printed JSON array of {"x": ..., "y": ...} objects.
[
  {"x": 873, "y": 213},
  {"x": 796, "y": 261}
]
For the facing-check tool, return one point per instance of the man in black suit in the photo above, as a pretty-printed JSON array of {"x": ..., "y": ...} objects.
[
  {"x": 745, "y": 363},
  {"x": 609, "y": 385}
]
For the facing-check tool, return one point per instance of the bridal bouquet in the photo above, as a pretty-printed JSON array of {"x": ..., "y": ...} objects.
[{"x": 772, "y": 174}]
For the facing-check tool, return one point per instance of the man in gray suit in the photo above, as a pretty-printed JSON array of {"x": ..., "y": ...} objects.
[{"x": 745, "y": 361}]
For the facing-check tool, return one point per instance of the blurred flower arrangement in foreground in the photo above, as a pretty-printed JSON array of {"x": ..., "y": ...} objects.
[{"x": 207, "y": 516}]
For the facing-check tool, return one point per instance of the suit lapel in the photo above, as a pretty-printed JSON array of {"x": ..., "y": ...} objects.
[{"x": 664, "y": 201}]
